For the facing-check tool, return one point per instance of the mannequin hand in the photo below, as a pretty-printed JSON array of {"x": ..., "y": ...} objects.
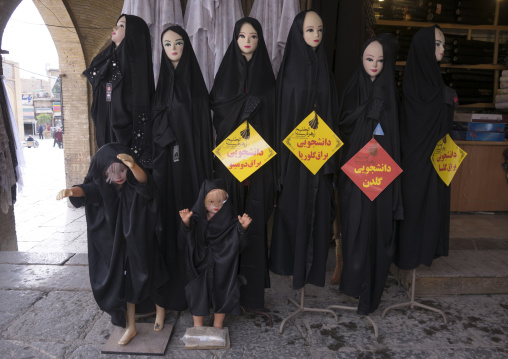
[
  {"x": 64, "y": 194},
  {"x": 185, "y": 215},
  {"x": 126, "y": 159},
  {"x": 245, "y": 221}
]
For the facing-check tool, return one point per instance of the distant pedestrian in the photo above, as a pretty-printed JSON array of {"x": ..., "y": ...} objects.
[
  {"x": 47, "y": 127},
  {"x": 59, "y": 138},
  {"x": 41, "y": 131}
]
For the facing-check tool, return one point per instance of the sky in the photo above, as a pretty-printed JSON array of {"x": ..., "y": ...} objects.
[{"x": 29, "y": 42}]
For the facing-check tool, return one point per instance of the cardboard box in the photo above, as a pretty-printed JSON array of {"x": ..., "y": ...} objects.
[
  {"x": 489, "y": 117},
  {"x": 477, "y": 136},
  {"x": 486, "y": 127}
]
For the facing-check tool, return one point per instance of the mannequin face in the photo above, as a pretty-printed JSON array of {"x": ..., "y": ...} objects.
[
  {"x": 116, "y": 173},
  {"x": 373, "y": 59},
  {"x": 247, "y": 40},
  {"x": 440, "y": 42},
  {"x": 118, "y": 33},
  {"x": 173, "y": 46},
  {"x": 312, "y": 29},
  {"x": 214, "y": 201}
]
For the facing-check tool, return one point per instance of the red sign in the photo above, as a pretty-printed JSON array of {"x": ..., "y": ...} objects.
[{"x": 372, "y": 169}]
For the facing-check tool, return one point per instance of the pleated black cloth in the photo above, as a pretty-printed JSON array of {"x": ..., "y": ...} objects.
[
  {"x": 125, "y": 264},
  {"x": 126, "y": 118},
  {"x": 182, "y": 151},
  {"x": 245, "y": 90},
  {"x": 368, "y": 227},
  {"x": 426, "y": 116},
  {"x": 212, "y": 255},
  {"x": 305, "y": 208}
]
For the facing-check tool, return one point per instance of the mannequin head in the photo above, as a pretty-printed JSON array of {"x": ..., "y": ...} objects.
[
  {"x": 373, "y": 59},
  {"x": 440, "y": 42},
  {"x": 173, "y": 46},
  {"x": 214, "y": 201},
  {"x": 118, "y": 33},
  {"x": 247, "y": 40},
  {"x": 312, "y": 29},
  {"x": 116, "y": 173}
]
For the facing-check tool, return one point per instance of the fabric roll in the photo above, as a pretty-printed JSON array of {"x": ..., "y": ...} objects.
[
  {"x": 502, "y": 105},
  {"x": 501, "y": 98}
]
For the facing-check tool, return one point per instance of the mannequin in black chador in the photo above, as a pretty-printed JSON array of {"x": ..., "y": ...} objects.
[
  {"x": 305, "y": 208},
  {"x": 368, "y": 227},
  {"x": 214, "y": 237},
  {"x": 182, "y": 149},
  {"x": 244, "y": 89},
  {"x": 122, "y": 83},
  {"x": 126, "y": 267},
  {"x": 426, "y": 117}
]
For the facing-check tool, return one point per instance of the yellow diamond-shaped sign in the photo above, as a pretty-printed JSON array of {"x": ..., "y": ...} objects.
[
  {"x": 446, "y": 158},
  {"x": 313, "y": 142},
  {"x": 244, "y": 151}
]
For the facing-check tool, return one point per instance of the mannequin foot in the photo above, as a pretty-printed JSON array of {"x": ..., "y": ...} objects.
[
  {"x": 127, "y": 336},
  {"x": 218, "y": 320},
  {"x": 159, "y": 319},
  {"x": 198, "y": 321}
]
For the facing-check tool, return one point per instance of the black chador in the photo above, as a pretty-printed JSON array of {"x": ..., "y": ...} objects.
[
  {"x": 305, "y": 210},
  {"x": 182, "y": 154},
  {"x": 125, "y": 263},
  {"x": 212, "y": 255},
  {"x": 426, "y": 117},
  {"x": 245, "y": 90},
  {"x": 122, "y": 112},
  {"x": 368, "y": 227}
]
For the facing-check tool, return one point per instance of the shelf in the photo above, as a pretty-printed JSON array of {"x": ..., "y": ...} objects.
[
  {"x": 443, "y": 26},
  {"x": 478, "y": 105},
  {"x": 457, "y": 66}
]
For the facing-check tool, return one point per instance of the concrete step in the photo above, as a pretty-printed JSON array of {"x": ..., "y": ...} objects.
[{"x": 462, "y": 272}]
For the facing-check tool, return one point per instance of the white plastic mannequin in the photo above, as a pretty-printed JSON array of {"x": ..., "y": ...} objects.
[
  {"x": 373, "y": 59},
  {"x": 247, "y": 40},
  {"x": 173, "y": 46}
]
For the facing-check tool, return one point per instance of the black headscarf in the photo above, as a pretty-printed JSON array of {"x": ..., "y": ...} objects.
[
  {"x": 121, "y": 232},
  {"x": 245, "y": 90},
  {"x": 368, "y": 227},
  {"x": 182, "y": 152},
  {"x": 306, "y": 210},
  {"x": 213, "y": 248},
  {"x": 426, "y": 116},
  {"x": 126, "y": 118}
]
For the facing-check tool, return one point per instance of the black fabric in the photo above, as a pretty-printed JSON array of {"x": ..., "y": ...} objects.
[
  {"x": 368, "y": 227},
  {"x": 245, "y": 90},
  {"x": 182, "y": 154},
  {"x": 124, "y": 261},
  {"x": 212, "y": 256},
  {"x": 305, "y": 208},
  {"x": 126, "y": 118},
  {"x": 426, "y": 117}
]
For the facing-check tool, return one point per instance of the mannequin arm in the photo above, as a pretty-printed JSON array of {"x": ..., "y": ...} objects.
[
  {"x": 70, "y": 192},
  {"x": 137, "y": 171}
]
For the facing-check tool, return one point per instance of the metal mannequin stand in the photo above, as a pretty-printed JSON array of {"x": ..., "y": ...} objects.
[
  {"x": 374, "y": 325},
  {"x": 301, "y": 308},
  {"x": 412, "y": 302}
]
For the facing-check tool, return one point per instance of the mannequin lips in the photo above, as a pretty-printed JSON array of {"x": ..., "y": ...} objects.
[
  {"x": 316, "y": 40},
  {"x": 373, "y": 70},
  {"x": 174, "y": 53},
  {"x": 247, "y": 47},
  {"x": 114, "y": 33},
  {"x": 216, "y": 209}
]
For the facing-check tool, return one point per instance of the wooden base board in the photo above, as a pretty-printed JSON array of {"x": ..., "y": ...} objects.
[
  {"x": 146, "y": 342},
  {"x": 227, "y": 346}
]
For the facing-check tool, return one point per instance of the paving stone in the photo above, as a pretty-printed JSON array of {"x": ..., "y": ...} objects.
[
  {"x": 101, "y": 330},
  {"x": 78, "y": 259},
  {"x": 34, "y": 258},
  {"x": 61, "y": 316},
  {"x": 15, "y": 303},
  {"x": 44, "y": 277},
  {"x": 32, "y": 349}
]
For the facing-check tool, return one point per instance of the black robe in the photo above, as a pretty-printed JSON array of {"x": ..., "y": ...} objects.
[
  {"x": 426, "y": 117},
  {"x": 124, "y": 261},
  {"x": 125, "y": 119},
  {"x": 368, "y": 227},
  {"x": 245, "y": 90},
  {"x": 212, "y": 255},
  {"x": 305, "y": 210},
  {"x": 182, "y": 154}
]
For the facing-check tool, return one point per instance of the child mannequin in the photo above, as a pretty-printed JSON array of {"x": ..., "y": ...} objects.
[
  {"x": 117, "y": 193},
  {"x": 213, "y": 234}
]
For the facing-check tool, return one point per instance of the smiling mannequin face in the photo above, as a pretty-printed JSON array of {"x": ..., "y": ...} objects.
[
  {"x": 312, "y": 29},
  {"x": 247, "y": 40},
  {"x": 118, "y": 33},
  {"x": 373, "y": 59},
  {"x": 173, "y": 46},
  {"x": 440, "y": 42}
]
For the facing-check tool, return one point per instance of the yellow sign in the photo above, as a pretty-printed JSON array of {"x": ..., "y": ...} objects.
[
  {"x": 244, "y": 151},
  {"x": 446, "y": 158},
  {"x": 313, "y": 142}
]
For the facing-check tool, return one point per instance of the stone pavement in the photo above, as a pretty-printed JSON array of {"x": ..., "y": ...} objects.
[{"x": 47, "y": 309}]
